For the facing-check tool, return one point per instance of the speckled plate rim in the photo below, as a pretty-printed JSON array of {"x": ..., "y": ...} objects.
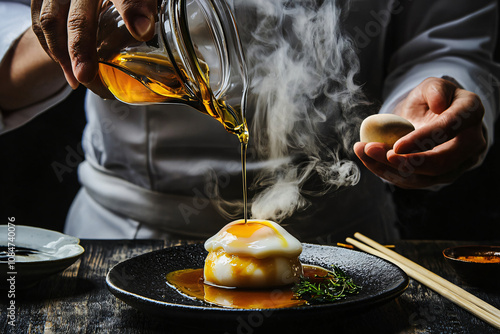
[{"x": 182, "y": 310}]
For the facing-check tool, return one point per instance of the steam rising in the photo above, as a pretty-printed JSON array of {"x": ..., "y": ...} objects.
[{"x": 305, "y": 102}]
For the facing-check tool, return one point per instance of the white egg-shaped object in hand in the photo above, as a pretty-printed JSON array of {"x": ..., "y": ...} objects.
[{"x": 384, "y": 128}]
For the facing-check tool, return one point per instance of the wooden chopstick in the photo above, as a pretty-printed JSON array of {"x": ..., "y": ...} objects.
[
  {"x": 352, "y": 247},
  {"x": 468, "y": 301},
  {"x": 438, "y": 279}
]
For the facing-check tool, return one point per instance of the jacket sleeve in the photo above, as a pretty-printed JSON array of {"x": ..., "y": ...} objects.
[
  {"x": 451, "y": 39},
  {"x": 15, "y": 19}
]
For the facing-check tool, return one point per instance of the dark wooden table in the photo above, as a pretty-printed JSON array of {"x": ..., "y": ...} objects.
[{"x": 77, "y": 300}]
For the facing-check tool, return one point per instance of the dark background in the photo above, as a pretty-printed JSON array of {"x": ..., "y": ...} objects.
[
  {"x": 469, "y": 209},
  {"x": 38, "y": 178}
]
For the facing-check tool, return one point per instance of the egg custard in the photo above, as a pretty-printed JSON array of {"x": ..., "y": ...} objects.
[{"x": 256, "y": 254}]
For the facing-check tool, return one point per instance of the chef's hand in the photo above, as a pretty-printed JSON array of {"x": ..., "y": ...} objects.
[
  {"x": 448, "y": 138},
  {"x": 67, "y": 31}
]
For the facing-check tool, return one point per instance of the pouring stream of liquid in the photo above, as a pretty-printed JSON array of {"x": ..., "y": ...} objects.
[{"x": 244, "y": 178}]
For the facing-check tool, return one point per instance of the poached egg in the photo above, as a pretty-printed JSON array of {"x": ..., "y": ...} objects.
[{"x": 256, "y": 254}]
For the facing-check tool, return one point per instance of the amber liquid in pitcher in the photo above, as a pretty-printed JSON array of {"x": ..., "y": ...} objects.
[{"x": 151, "y": 78}]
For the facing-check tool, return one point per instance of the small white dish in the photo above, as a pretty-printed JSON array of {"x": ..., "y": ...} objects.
[{"x": 39, "y": 254}]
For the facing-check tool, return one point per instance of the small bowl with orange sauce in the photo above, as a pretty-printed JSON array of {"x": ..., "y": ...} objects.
[{"x": 477, "y": 265}]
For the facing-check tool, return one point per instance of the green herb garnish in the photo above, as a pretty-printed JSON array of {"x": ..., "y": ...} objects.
[{"x": 325, "y": 289}]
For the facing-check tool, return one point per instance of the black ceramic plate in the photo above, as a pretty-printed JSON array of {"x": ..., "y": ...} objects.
[{"x": 140, "y": 282}]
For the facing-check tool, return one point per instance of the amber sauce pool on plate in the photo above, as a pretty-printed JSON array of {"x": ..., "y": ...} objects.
[{"x": 190, "y": 282}]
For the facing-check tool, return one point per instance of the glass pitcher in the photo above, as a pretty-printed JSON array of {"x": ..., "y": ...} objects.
[{"x": 194, "y": 58}]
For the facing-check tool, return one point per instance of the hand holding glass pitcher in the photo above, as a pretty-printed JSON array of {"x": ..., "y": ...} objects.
[
  {"x": 68, "y": 31},
  {"x": 180, "y": 51}
]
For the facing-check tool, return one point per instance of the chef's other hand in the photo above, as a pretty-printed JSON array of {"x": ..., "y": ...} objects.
[
  {"x": 448, "y": 138},
  {"x": 67, "y": 31}
]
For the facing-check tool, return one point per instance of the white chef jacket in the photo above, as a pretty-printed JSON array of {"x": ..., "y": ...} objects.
[{"x": 145, "y": 167}]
